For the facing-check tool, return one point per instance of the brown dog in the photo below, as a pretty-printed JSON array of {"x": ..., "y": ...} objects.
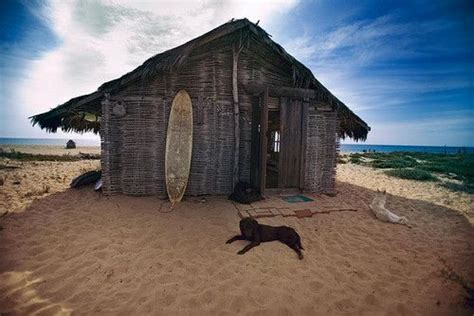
[{"x": 256, "y": 233}]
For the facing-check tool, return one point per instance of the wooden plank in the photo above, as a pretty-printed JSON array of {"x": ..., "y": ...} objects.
[
  {"x": 255, "y": 144},
  {"x": 200, "y": 111},
  {"x": 304, "y": 137},
  {"x": 297, "y": 140},
  {"x": 295, "y": 129},
  {"x": 235, "y": 94},
  {"x": 263, "y": 140},
  {"x": 282, "y": 163},
  {"x": 291, "y": 143}
]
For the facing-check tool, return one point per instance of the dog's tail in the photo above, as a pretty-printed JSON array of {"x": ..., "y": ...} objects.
[{"x": 298, "y": 242}]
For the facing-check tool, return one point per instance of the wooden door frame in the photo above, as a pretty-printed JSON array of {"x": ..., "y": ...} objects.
[
  {"x": 263, "y": 140},
  {"x": 263, "y": 94},
  {"x": 282, "y": 104},
  {"x": 304, "y": 131}
]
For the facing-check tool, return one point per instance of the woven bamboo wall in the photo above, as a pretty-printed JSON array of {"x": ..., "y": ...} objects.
[{"x": 133, "y": 145}]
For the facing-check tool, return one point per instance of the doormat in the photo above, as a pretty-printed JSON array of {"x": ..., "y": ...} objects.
[{"x": 296, "y": 198}]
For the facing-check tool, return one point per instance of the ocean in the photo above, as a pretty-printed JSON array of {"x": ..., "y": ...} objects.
[{"x": 344, "y": 147}]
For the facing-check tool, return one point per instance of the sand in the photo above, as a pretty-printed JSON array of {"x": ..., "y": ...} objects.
[
  {"x": 77, "y": 251},
  {"x": 376, "y": 179},
  {"x": 23, "y": 182}
]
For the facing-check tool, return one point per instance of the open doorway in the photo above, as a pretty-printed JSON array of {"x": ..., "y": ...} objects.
[
  {"x": 276, "y": 147},
  {"x": 273, "y": 148}
]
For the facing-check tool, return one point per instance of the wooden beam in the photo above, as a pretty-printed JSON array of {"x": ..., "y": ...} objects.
[
  {"x": 275, "y": 91},
  {"x": 306, "y": 95}
]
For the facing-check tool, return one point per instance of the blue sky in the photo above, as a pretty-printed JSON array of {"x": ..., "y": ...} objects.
[{"x": 407, "y": 67}]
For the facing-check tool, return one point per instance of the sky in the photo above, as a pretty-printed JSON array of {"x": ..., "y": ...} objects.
[{"x": 405, "y": 67}]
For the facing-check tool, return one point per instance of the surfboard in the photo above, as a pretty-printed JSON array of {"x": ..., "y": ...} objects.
[{"x": 179, "y": 145}]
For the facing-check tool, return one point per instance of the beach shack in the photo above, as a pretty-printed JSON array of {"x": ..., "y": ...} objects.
[{"x": 259, "y": 116}]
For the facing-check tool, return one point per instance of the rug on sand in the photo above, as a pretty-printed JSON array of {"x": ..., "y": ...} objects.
[{"x": 296, "y": 198}]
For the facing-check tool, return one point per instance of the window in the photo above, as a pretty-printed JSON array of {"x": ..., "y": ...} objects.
[{"x": 276, "y": 141}]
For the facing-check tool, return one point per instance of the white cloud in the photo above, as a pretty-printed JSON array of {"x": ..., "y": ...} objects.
[{"x": 102, "y": 40}]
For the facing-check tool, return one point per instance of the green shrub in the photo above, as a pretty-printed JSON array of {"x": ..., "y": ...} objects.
[
  {"x": 356, "y": 155},
  {"x": 356, "y": 160},
  {"x": 411, "y": 174},
  {"x": 402, "y": 162}
]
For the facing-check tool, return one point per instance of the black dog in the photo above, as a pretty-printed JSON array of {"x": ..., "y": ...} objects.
[{"x": 256, "y": 233}]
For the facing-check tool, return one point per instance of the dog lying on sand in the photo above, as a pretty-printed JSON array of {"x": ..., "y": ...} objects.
[
  {"x": 378, "y": 207},
  {"x": 256, "y": 233}
]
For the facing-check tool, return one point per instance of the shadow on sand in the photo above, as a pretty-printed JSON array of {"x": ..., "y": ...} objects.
[{"x": 80, "y": 251}]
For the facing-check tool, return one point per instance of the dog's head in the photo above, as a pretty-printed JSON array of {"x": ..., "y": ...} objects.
[{"x": 248, "y": 227}]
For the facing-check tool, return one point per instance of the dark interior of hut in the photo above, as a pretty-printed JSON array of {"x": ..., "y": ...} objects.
[{"x": 273, "y": 148}]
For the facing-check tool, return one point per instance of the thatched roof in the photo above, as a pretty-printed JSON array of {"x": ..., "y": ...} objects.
[{"x": 76, "y": 114}]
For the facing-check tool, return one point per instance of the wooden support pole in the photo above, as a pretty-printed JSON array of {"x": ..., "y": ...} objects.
[{"x": 235, "y": 93}]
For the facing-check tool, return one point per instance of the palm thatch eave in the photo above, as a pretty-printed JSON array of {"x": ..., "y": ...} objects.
[
  {"x": 68, "y": 115},
  {"x": 72, "y": 115}
]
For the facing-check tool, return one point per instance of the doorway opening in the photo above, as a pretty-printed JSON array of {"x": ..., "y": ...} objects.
[
  {"x": 273, "y": 148},
  {"x": 276, "y": 146}
]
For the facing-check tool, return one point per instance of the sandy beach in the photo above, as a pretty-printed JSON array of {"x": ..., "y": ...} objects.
[
  {"x": 376, "y": 179},
  {"x": 25, "y": 181},
  {"x": 76, "y": 251},
  {"x": 51, "y": 149}
]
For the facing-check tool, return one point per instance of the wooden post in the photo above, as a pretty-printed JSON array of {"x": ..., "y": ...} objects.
[
  {"x": 263, "y": 141},
  {"x": 283, "y": 142},
  {"x": 105, "y": 144},
  {"x": 304, "y": 138},
  {"x": 235, "y": 93}
]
